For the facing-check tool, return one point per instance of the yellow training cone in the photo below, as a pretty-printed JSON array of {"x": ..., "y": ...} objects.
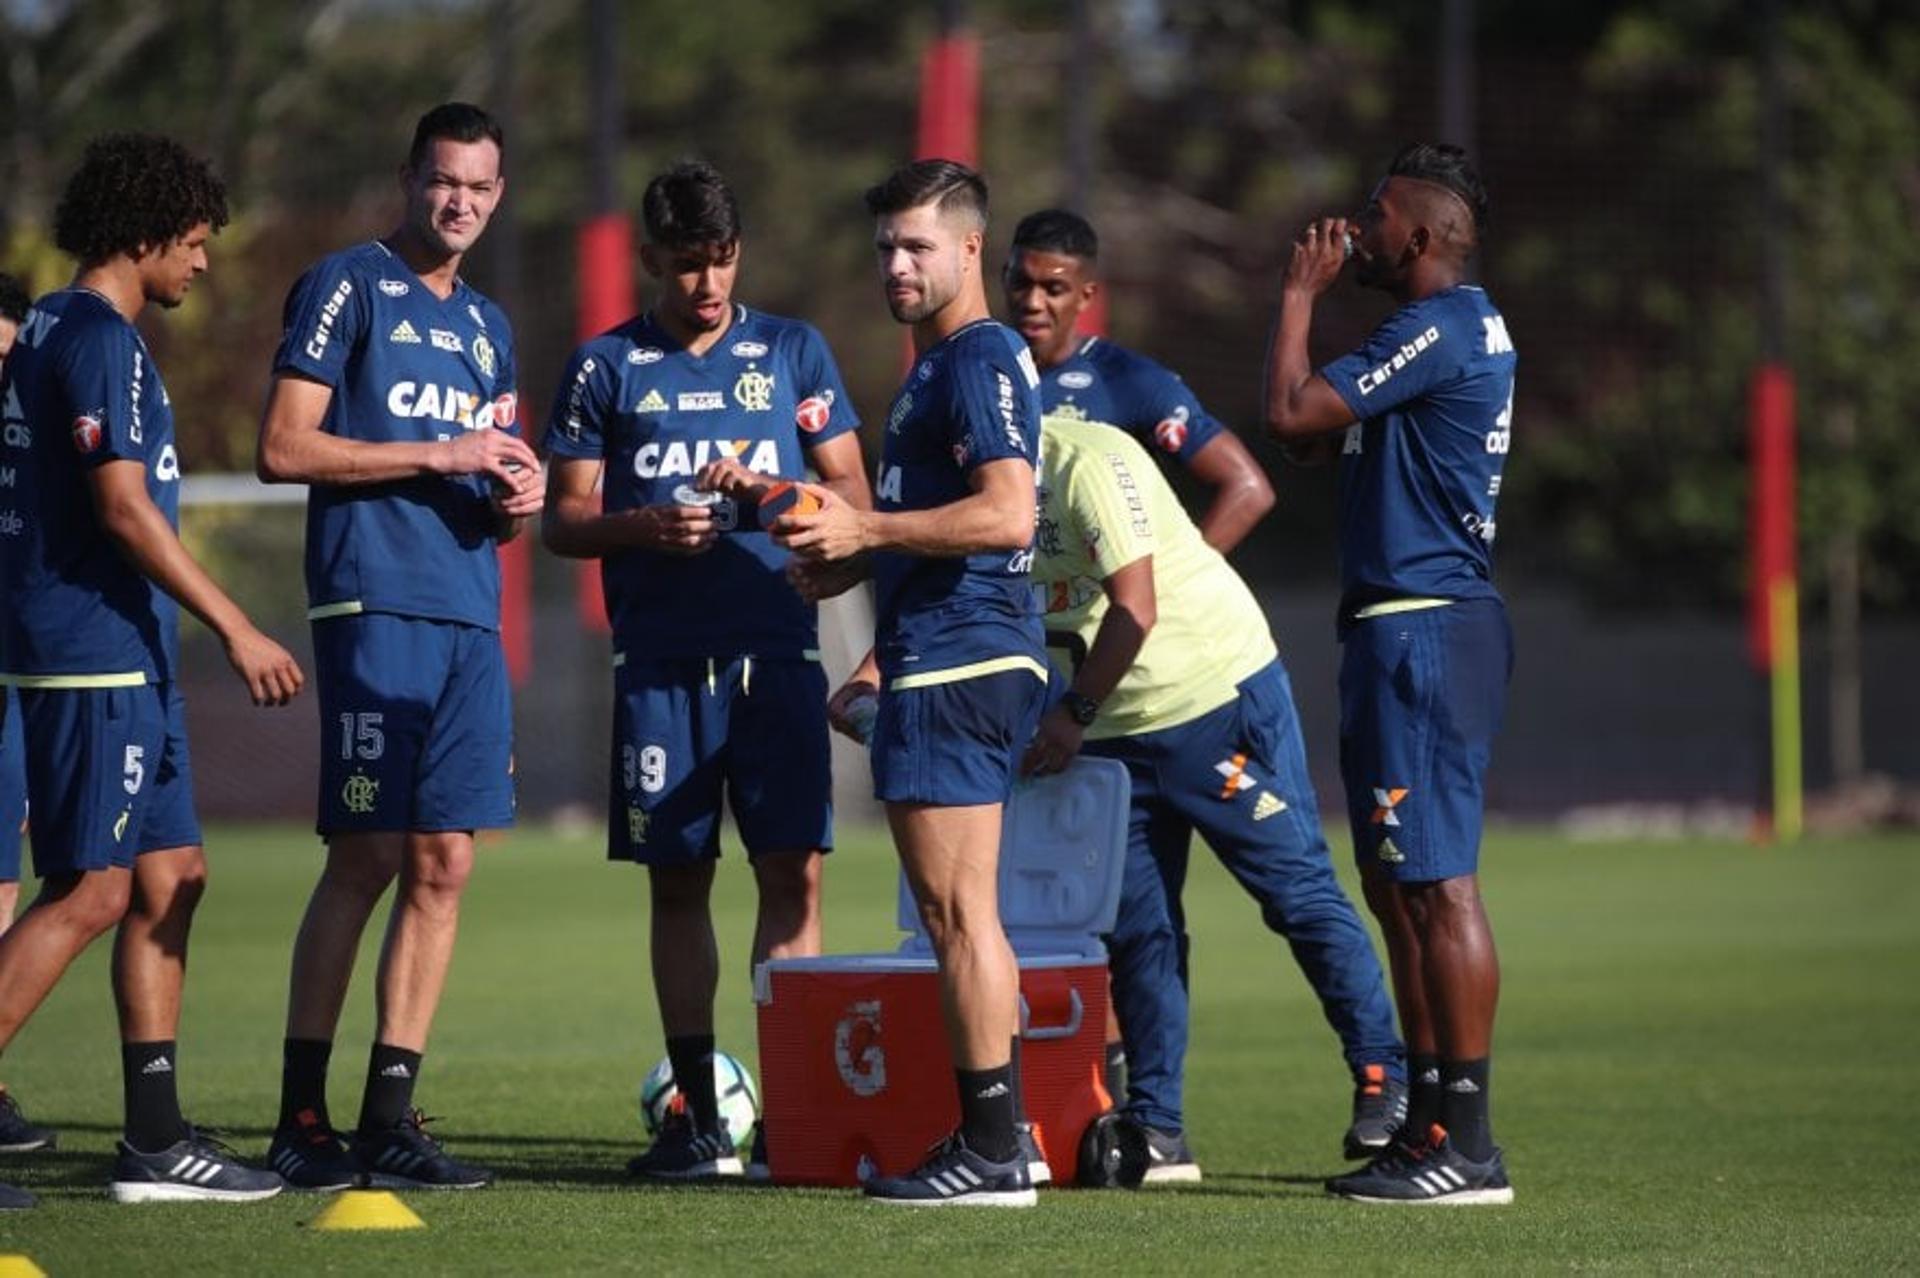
[
  {"x": 365, "y": 1209},
  {"x": 19, "y": 1266}
]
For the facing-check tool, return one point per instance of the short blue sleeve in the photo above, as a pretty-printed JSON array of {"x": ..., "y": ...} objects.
[
  {"x": 1174, "y": 421},
  {"x": 101, "y": 382},
  {"x": 582, "y": 414},
  {"x": 325, "y": 318},
  {"x": 1414, "y": 351},
  {"x": 995, "y": 411},
  {"x": 825, "y": 410},
  {"x": 506, "y": 389}
]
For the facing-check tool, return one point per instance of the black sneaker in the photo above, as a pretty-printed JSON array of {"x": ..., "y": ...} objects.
[
  {"x": 1379, "y": 1111},
  {"x": 1169, "y": 1161},
  {"x": 196, "y": 1169},
  {"x": 679, "y": 1152},
  {"x": 405, "y": 1157},
  {"x": 17, "y": 1135},
  {"x": 955, "y": 1176},
  {"x": 12, "y": 1199},
  {"x": 757, "y": 1168},
  {"x": 310, "y": 1155},
  {"x": 1037, "y": 1169},
  {"x": 1429, "y": 1171}
]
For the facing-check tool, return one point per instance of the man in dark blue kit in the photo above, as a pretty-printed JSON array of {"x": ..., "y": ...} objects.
[
  {"x": 394, "y": 399},
  {"x": 92, "y": 577},
  {"x": 1052, "y": 275},
  {"x": 1424, "y": 412}
]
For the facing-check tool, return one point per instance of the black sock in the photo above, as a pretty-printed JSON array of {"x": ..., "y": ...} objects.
[
  {"x": 153, "y": 1102},
  {"x": 391, "y": 1074},
  {"x": 692, "y": 1057},
  {"x": 303, "y": 1081},
  {"x": 1116, "y": 1071},
  {"x": 987, "y": 1112},
  {"x": 1465, "y": 1088},
  {"x": 1423, "y": 1093},
  {"x": 1018, "y": 1080}
]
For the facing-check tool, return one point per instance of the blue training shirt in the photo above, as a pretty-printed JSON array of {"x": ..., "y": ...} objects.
[
  {"x": 1101, "y": 382},
  {"x": 765, "y": 393},
  {"x": 404, "y": 366},
  {"x": 80, "y": 390},
  {"x": 970, "y": 400},
  {"x": 1420, "y": 471}
]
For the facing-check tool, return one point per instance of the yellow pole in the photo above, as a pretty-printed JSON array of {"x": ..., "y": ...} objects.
[{"x": 1784, "y": 596}]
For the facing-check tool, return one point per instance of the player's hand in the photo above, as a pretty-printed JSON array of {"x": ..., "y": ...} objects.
[
  {"x": 487, "y": 452},
  {"x": 271, "y": 674},
  {"x": 730, "y": 479},
  {"x": 676, "y": 530},
  {"x": 834, "y": 532},
  {"x": 843, "y": 699},
  {"x": 1054, "y": 745},
  {"x": 816, "y": 579},
  {"x": 525, "y": 494},
  {"x": 1318, "y": 255}
]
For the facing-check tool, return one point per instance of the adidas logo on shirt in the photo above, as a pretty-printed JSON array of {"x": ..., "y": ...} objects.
[
  {"x": 654, "y": 402},
  {"x": 404, "y": 333}
]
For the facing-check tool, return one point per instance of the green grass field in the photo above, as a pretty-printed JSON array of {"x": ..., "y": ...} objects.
[{"x": 1704, "y": 1062}]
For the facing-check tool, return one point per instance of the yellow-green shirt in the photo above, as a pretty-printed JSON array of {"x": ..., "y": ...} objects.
[{"x": 1104, "y": 505}]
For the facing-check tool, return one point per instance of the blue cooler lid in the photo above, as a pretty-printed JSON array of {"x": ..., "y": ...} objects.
[{"x": 1063, "y": 852}]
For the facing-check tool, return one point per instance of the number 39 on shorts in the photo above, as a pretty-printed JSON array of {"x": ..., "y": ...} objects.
[{"x": 644, "y": 769}]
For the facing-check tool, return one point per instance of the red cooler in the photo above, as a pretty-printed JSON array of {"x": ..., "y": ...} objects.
[{"x": 856, "y": 1077}]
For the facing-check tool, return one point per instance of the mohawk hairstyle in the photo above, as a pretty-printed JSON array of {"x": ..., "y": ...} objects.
[
  {"x": 135, "y": 191},
  {"x": 1446, "y": 166}
]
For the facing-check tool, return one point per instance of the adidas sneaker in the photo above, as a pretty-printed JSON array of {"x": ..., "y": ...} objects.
[
  {"x": 195, "y": 1169},
  {"x": 679, "y": 1152},
  {"x": 1379, "y": 1110},
  {"x": 954, "y": 1176},
  {"x": 1427, "y": 1172},
  {"x": 405, "y": 1157}
]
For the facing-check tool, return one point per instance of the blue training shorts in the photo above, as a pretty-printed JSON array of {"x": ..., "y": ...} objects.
[
  {"x": 688, "y": 730},
  {"x": 416, "y": 725},
  {"x": 108, "y": 775},
  {"x": 13, "y": 786},
  {"x": 1421, "y": 697},
  {"x": 955, "y": 744}
]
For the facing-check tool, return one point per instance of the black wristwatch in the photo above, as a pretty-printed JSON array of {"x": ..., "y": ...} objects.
[{"x": 1083, "y": 710}]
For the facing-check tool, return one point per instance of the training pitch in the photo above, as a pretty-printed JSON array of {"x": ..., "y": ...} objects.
[{"x": 1703, "y": 1062}]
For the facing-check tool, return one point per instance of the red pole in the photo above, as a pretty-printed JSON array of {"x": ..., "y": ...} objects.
[
  {"x": 1771, "y": 519},
  {"x": 605, "y": 246}
]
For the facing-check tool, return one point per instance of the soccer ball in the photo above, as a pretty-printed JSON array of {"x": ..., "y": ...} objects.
[{"x": 732, "y": 1086}]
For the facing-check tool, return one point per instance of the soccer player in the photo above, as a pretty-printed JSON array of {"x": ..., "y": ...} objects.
[
  {"x": 14, "y": 304},
  {"x": 1052, "y": 274},
  {"x": 1426, "y": 408},
  {"x": 17, "y": 1134},
  {"x": 958, "y": 658},
  {"x": 92, "y": 574},
  {"x": 394, "y": 398},
  {"x": 692, "y": 408},
  {"x": 1181, "y": 682}
]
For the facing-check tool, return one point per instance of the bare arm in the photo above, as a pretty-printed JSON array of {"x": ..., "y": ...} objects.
[
  {"x": 1241, "y": 493},
  {"x": 576, "y": 527},
  {"x": 295, "y": 450},
  {"x": 143, "y": 535},
  {"x": 1131, "y": 613},
  {"x": 1299, "y": 403},
  {"x": 997, "y": 515}
]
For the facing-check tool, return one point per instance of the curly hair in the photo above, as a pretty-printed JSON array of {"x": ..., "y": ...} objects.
[
  {"x": 14, "y": 301},
  {"x": 135, "y": 191}
]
